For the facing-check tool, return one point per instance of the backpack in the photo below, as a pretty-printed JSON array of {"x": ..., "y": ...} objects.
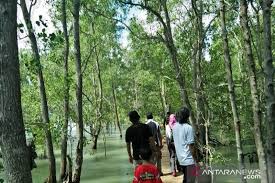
[{"x": 154, "y": 130}]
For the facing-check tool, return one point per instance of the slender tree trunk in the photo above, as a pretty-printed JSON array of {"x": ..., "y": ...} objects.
[
  {"x": 259, "y": 39},
  {"x": 93, "y": 128},
  {"x": 98, "y": 96},
  {"x": 116, "y": 112},
  {"x": 169, "y": 42},
  {"x": 44, "y": 103},
  {"x": 195, "y": 87},
  {"x": 259, "y": 52},
  {"x": 100, "y": 93},
  {"x": 197, "y": 75},
  {"x": 136, "y": 101},
  {"x": 12, "y": 131},
  {"x": 79, "y": 113},
  {"x": 63, "y": 160},
  {"x": 254, "y": 90},
  {"x": 231, "y": 89},
  {"x": 208, "y": 153},
  {"x": 269, "y": 88},
  {"x": 163, "y": 96}
]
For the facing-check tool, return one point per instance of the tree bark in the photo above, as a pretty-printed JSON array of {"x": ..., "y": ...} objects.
[
  {"x": 116, "y": 112},
  {"x": 231, "y": 90},
  {"x": 197, "y": 75},
  {"x": 42, "y": 89},
  {"x": 100, "y": 95},
  {"x": 269, "y": 88},
  {"x": 99, "y": 106},
  {"x": 254, "y": 90},
  {"x": 163, "y": 95},
  {"x": 63, "y": 166},
  {"x": 169, "y": 42},
  {"x": 79, "y": 87},
  {"x": 12, "y": 131}
]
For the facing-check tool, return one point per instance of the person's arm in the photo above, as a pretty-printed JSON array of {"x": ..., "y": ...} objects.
[
  {"x": 160, "y": 137},
  {"x": 128, "y": 143},
  {"x": 129, "y": 152},
  {"x": 152, "y": 144},
  {"x": 191, "y": 143}
]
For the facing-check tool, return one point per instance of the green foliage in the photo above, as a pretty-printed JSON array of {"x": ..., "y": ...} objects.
[
  {"x": 136, "y": 72},
  {"x": 219, "y": 158}
]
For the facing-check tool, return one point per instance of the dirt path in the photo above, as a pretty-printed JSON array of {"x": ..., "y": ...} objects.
[{"x": 167, "y": 177}]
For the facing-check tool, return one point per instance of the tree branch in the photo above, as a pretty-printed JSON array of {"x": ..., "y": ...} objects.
[
  {"x": 209, "y": 25},
  {"x": 33, "y": 2},
  {"x": 148, "y": 8},
  {"x": 145, "y": 37},
  {"x": 88, "y": 98},
  {"x": 88, "y": 58}
]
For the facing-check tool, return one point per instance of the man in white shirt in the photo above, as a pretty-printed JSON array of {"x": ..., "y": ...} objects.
[
  {"x": 155, "y": 129},
  {"x": 184, "y": 143}
]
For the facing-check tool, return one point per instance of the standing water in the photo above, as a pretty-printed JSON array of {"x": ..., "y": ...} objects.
[{"x": 114, "y": 168}]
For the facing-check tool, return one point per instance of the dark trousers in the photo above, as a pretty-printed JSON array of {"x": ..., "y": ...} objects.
[
  {"x": 172, "y": 155},
  {"x": 174, "y": 163},
  {"x": 187, "y": 171}
]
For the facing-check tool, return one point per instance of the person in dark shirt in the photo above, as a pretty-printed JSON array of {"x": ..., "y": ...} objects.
[
  {"x": 156, "y": 132},
  {"x": 138, "y": 136}
]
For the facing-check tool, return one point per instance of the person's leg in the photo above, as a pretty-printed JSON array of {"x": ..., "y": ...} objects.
[
  {"x": 158, "y": 161},
  {"x": 159, "y": 166},
  {"x": 190, "y": 177},
  {"x": 184, "y": 171},
  {"x": 173, "y": 162},
  {"x": 176, "y": 162},
  {"x": 178, "y": 165}
]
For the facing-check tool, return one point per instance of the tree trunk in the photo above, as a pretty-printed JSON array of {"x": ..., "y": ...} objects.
[
  {"x": 269, "y": 88},
  {"x": 79, "y": 106},
  {"x": 116, "y": 112},
  {"x": 259, "y": 39},
  {"x": 254, "y": 90},
  {"x": 12, "y": 131},
  {"x": 169, "y": 42},
  {"x": 164, "y": 105},
  {"x": 163, "y": 95},
  {"x": 231, "y": 89},
  {"x": 99, "y": 106},
  {"x": 96, "y": 140},
  {"x": 63, "y": 160},
  {"x": 43, "y": 97},
  {"x": 197, "y": 75},
  {"x": 100, "y": 96}
]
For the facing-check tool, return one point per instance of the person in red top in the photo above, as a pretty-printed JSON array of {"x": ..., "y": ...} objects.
[{"x": 146, "y": 172}]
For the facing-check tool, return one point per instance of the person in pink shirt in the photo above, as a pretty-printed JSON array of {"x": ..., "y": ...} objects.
[{"x": 172, "y": 120}]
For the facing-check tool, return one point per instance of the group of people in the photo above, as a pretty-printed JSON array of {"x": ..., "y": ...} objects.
[{"x": 144, "y": 144}]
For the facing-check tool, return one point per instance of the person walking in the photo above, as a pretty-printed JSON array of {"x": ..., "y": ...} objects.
[
  {"x": 146, "y": 172},
  {"x": 184, "y": 144},
  {"x": 138, "y": 136},
  {"x": 156, "y": 132},
  {"x": 171, "y": 146}
]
